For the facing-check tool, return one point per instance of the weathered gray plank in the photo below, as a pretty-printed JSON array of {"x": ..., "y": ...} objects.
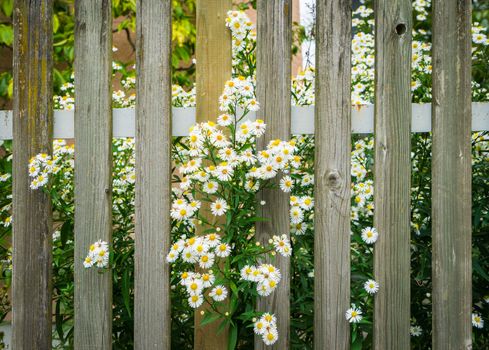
[
  {"x": 332, "y": 175},
  {"x": 213, "y": 69},
  {"x": 152, "y": 318},
  {"x": 33, "y": 128},
  {"x": 451, "y": 169},
  {"x": 273, "y": 92},
  {"x": 392, "y": 173},
  {"x": 93, "y": 174}
]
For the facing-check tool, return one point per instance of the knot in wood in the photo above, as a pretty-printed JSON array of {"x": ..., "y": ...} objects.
[
  {"x": 333, "y": 179},
  {"x": 401, "y": 29}
]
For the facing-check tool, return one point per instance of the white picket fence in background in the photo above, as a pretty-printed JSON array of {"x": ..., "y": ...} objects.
[{"x": 124, "y": 120}]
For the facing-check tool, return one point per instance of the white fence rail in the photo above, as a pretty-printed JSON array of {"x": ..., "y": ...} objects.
[{"x": 302, "y": 120}]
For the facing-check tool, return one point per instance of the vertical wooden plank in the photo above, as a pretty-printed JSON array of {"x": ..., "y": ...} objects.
[
  {"x": 332, "y": 175},
  {"x": 33, "y": 129},
  {"x": 213, "y": 54},
  {"x": 451, "y": 113},
  {"x": 153, "y": 175},
  {"x": 273, "y": 56},
  {"x": 93, "y": 169},
  {"x": 393, "y": 26}
]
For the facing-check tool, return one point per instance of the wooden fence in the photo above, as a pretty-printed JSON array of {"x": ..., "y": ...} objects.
[{"x": 392, "y": 117}]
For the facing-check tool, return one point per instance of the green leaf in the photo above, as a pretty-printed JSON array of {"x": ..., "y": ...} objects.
[
  {"x": 59, "y": 319},
  {"x": 10, "y": 89},
  {"x": 357, "y": 345},
  {"x": 233, "y": 337},
  {"x": 55, "y": 23},
  {"x": 7, "y": 7},
  {"x": 65, "y": 232},
  {"x": 209, "y": 317},
  {"x": 125, "y": 291},
  {"x": 6, "y": 34},
  {"x": 477, "y": 268}
]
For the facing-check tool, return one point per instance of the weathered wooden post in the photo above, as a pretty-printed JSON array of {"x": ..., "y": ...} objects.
[
  {"x": 332, "y": 175},
  {"x": 451, "y": 169},
  {"x": 33, "y": 128},
  {"x": 93, "y": 169},
  {"x": 393, "y": 26},
  {"x": 213, "y": 54},
  {"x": 273, "y": 75},
  {"x": 152, "y": 320}
]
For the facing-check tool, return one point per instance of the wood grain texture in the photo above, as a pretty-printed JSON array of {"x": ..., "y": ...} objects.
[
  {"x": 274, "y": 28},
  {"x": 93, "y": 170},
  {"x": 332, "y": 175},
  {"x": 451, "y": 170},
  {"x": 152, "y": 319},
  {"x": 213, "y": 54},
  {"x": 33, "y": 128},
  {"x": 392, "y": 173}
]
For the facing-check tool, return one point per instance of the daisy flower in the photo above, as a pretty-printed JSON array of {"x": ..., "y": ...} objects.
[
  {"x": 477, "y": 321},
  {"x": 371, "y": 287},
  {"x": 206, "y": 260},
  {"x": 195, "y": 300},
  {"x": 194, "y": 286},
  {"x": 210, "y": 187},
  {"x": 219, "y": 207},
  {"x": 270, "y": 336},
  {"x": 224, "y": 120},
  {"x": 415, "y": 331},
  {"x": 369, "y": 235},
  {"x": 208, "y": 279},
  {"x": 353, "y": 315},
  {"x": 218, "y": 293},
  {"x": 296, "y": 215},
  {"x": 223, "y": 250},
  {"x": 286, "y": 184}
]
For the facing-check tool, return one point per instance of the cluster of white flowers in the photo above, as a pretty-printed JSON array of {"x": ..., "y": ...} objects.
[
  {"x": 361, "y": 188},
  {"x": 238, "y": 93},
  {"x": 266, "y": 276},
  {"x": 479, "y": 36},
  {"x": 303, "y": 87},
  {"x": 242, "y": 30},
  {"x": 266, "y": 327},
  {"x": 421, "y": 9},
  {"x": 199, "y": 249},
  {"x": 43, "y": 165},
  {"x": 301, "y": 210},
  {"x": 98, "y": 255},
  {"x": 67, "y": 100},
  {"x": 182, "y": 98},
  {"x": 40, "y": 167},
  {"x": 208, "y": 138},
  {"x": 196, "y": 285},
  {"x": 282, "y": 245}
]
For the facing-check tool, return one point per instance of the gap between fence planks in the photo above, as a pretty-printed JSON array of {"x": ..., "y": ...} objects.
[
  {"x": 93, "y": 170},
  {"x": 451, "y": 175},
  {"x": 33, "y": 128},
  {"x": 213, "y": 69},
  {"x": 273, "y": 75},
  {"x": 393, "y": 23},
  {"x": 332, "y": 193},
  {"x": 152, "y": 319}
]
